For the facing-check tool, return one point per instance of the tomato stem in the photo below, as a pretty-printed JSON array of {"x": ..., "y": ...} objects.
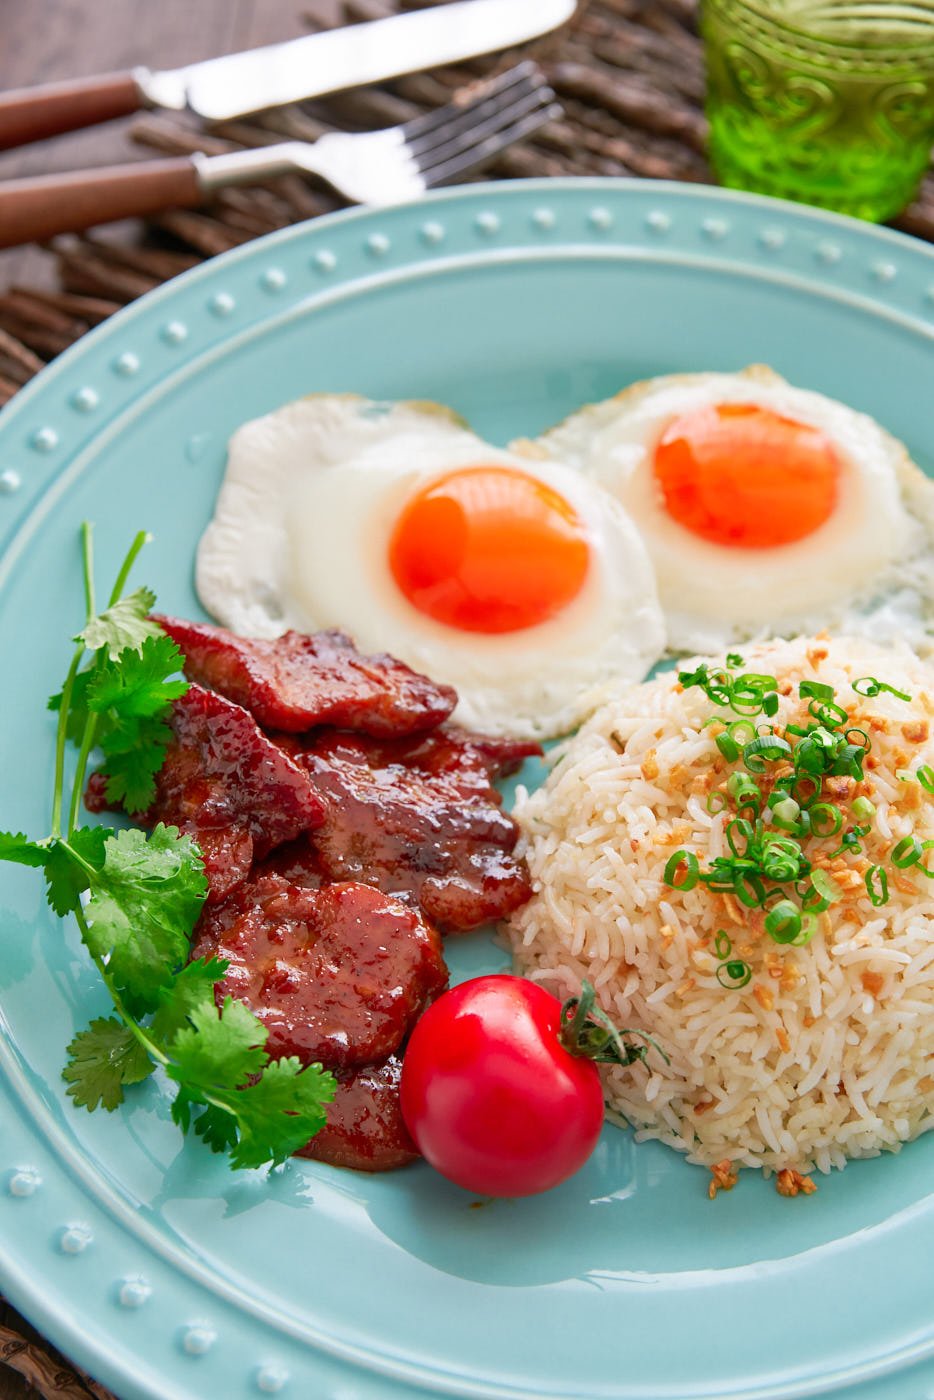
[{"x": 587, "y": 1031}]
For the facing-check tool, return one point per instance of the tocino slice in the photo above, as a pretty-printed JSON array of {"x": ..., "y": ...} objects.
[
  {"x": 338, "y": 974},
  {"x": 365, "y": 1128},
  {"x": 296, "y": 682},
  {"x": 419, "y": 818},
  {"x": 227, "y": 785}
]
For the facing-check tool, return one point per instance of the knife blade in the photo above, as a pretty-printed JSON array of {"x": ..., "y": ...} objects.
[
  {"x": 353, "y": 56},
  {"x": 237, "y": 84}
]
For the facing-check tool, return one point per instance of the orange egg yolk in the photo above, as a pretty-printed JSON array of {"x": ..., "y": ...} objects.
[
  {"x": 489, "y": 549},
  {"x": 738, "y": 474}
]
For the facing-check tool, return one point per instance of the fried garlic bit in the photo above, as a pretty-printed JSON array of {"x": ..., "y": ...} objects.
[
  {"x": 788, "y": 1182},
  {"x": 724, "y": 1178}
]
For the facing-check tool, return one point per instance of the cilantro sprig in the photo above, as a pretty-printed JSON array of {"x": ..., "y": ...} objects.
[{"x": 136, "y": 898}]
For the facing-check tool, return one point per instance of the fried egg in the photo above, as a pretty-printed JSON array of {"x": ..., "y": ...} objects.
[
  {"x": 766, "y": 509},
  {"x": 522, "y": 583}
]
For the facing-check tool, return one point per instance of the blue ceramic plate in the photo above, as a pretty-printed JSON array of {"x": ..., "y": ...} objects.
[{"x": 144, "y": 1257}]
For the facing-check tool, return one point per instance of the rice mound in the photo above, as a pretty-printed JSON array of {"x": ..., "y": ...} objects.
[{"x": 828, "y": 1052}]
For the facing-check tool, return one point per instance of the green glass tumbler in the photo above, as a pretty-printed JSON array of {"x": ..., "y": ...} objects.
[{"x": 830, "y": 102}]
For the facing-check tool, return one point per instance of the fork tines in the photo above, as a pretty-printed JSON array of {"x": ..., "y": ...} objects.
[{"x": 461, "y": 136}]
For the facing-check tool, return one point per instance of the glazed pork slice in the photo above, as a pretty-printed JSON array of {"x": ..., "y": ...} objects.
[
  {"x": 337, "y": 975},
  {"x": 296, "y": 683},
  {"x": 225, "y": 783},
  {"x": 365, "y": 1129},
  {"x": 418, "y": 818}
]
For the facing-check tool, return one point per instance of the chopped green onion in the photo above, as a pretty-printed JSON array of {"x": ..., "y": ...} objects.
[
  {"x": 826, "y": 819},
  {"x": 925, "y": 776},
  {"x": 728, "y": 747},
  {"x": 689, "y": 860},
  {"x": 742, "y": 789},
  {"x": 733, "y": 659},
  {"x": 877, "y": 882},
  {"x": 906, "y": 853},
  {"x": 741, "y": 732},
  {"x": 850, "y": 842},
  {"x": 816, "y": 750},
  {"x": 804, "y": 789},
  {"x": 781, "y": 859},
  {"x": 720, "y": 880},
  {"x": 689, "y": 678},
  {"x": 770, "y": 705},
  {"x": 827, "y": 890},
  {"x": 848, "y": 762},
  {"x": 768, "y": 748},
  {"x": 866, "y": 744},
  {"x": 716, "y": 802},
  {"x": 717, "y": 685},
  {"x": 870, "y": 686},
  {"x": 749, "y": 889},
  {"x": 738, "y": 973},
  {"x": 745, "y": 830},
  {"x": 816, "y": 690},
  {"x": 746, "y": 702},
  {"x": 722, "y": 944},
  {"x": 783, "y": 922},
  {"x": 785, "y": 811},
  {"x": 756, "y": 680},
  {"x": 806, "y": 932},
  {"x": 828, "y": 713},
  {"x": 865, "y": 809}
]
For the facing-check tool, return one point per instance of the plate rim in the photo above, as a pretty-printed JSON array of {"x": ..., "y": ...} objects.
[{"x": 31, "y": 1301}]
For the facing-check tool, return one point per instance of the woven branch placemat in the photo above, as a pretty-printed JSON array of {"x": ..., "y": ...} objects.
[{"x": 629, "y": 75}]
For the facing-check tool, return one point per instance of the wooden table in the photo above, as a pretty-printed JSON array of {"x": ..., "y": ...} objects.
[{"x": 45, "y": 40}]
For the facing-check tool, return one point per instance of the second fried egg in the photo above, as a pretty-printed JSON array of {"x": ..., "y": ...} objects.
[
  {"x": 521, "y": 583},
  {"x": 766, "y": 509}
]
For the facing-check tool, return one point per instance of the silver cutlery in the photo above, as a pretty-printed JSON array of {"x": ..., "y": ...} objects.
[{"x": 378, "y": 168}]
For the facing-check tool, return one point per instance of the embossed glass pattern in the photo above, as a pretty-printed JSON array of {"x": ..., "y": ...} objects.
[{"x": 829, "y": 103}]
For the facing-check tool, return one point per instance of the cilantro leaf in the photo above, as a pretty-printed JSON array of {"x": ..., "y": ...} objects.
[
  {"x": 182, "y": 1105},
  {"x": 136, "y": 684},
  {"x": 143, "y": 906},
  {"x": 131, "y": 697},
  {"x": 67, "y": 878},
  {"x": 131, "y": 771},
  {"x": 280, "y": 1112},
  {"x": 257, "y": 1114},
  {"x": 101, "y": 1060},
  {"x": 192, "y": 987},
  {"x": 217, "y": 1128},
  {"x": 16, "y": 847},
  {"x": 219, "y": 1050},
  {"x": 137, "y": 899},
  {"x": 124, "y": 624}
]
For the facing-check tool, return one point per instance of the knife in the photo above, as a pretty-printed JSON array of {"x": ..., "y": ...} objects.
[{"x": 240, "y": 83}]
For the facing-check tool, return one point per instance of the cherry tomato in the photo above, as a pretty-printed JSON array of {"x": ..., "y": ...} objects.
[{"x": 491, "y": 1096}]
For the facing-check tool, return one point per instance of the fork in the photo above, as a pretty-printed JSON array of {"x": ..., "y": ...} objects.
[{"x": 378, "y": 167}]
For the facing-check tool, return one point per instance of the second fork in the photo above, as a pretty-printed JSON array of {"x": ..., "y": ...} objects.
[{"x": 378, "y": 168}]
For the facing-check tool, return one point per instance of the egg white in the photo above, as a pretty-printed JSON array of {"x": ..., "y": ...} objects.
[
  {"x": 300, "y": 539},
  {"x": 868, "y": 568}
]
